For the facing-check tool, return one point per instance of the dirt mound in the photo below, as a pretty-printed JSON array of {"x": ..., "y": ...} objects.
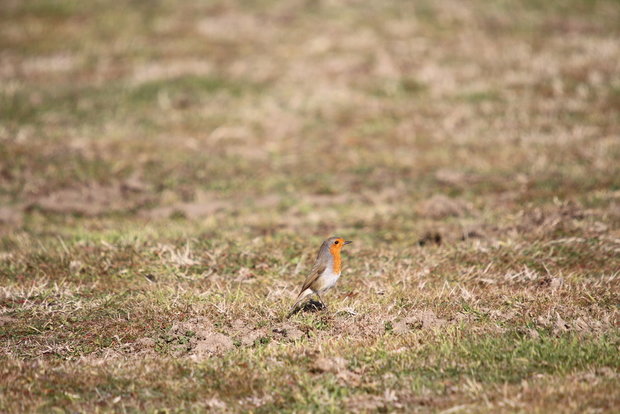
[
  {"x": 337, "y": 366},
  {"x": 289, "y": 331},
  {"x": 11, "y": 215},
  {"x": 333, "y": 365},
  {"x": 197, "y": 339},
  {"x": 249, "y": 335},
  {"x": 93, "y": 199},
  {"x": 211, "y": 343},
  {"x": 424, "y": 319},
  {"x": 205, "y": 204},
  {"x": 440, "y": 206},
  {"x": 189, "y": 210},
  {"x": 359, "y": 326}
]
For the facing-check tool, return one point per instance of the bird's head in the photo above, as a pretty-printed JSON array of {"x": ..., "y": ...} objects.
[{"x": 336, "y": 243}]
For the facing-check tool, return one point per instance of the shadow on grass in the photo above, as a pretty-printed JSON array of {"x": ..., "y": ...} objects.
[{"x": 310, "y": 306}]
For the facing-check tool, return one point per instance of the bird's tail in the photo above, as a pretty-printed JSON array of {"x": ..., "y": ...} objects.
[{"x": 300, "y": 298}]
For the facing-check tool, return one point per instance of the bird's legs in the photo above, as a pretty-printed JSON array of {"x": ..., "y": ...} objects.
[{"x": 321, "y": 299}]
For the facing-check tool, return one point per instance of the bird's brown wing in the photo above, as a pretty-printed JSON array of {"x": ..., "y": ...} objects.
[{"x": 314, "y": 274}]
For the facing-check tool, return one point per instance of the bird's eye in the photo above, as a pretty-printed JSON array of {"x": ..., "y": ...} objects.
[{"x": 336, "y": 242}]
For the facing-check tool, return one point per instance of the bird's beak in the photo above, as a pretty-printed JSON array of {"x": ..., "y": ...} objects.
[{"x": 348, "y": 242}]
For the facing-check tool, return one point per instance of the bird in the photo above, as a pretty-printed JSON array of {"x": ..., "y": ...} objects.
[{"x": 325, "y": 271}]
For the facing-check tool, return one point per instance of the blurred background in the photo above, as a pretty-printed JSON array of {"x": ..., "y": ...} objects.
[{"x": 312, "y": 116}]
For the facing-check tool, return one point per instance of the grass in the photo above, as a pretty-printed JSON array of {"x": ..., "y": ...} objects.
[
  {"x": 447, "y": 365},
  {"x": 168, "y": 170}
]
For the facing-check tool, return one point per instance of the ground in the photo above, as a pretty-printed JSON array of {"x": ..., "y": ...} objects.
[{"x": 169, "y": 169}]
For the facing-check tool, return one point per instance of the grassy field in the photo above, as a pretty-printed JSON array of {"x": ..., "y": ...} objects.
[{"x": 168, "y": 170}]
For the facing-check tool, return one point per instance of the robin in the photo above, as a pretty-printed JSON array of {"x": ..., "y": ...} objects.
[{"x": 325, "y": 272}]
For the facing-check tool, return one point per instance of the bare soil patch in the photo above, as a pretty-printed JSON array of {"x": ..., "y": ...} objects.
[
  {"x": 93, "y": 199},
  {"x": 440, "y": 207},
  {"x": 423, "y": 319},
  {"x": 11, "y": 215},
  {"x": 197, "y": 339}
]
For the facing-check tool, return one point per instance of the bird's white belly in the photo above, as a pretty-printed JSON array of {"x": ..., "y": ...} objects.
[{"x": 327, "y": 280}]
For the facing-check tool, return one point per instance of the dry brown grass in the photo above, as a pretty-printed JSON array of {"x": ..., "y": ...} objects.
[{"x": 168, "y": 169}]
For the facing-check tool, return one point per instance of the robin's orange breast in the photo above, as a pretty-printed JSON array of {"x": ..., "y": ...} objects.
[{"x": 335, "y": 251}]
